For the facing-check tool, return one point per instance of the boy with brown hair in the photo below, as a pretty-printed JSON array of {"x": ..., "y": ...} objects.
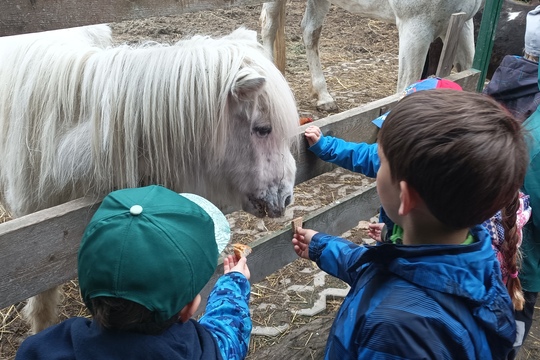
[
  {"x": 144, "y": 257},
  {"x": 449, "y": 160}
]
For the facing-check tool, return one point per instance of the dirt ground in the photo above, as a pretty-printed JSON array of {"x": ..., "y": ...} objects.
[{"x": 360, "y": 61}]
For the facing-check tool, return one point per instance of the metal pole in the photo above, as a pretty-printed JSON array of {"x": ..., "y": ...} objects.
[{"x": 486, "y": 37}]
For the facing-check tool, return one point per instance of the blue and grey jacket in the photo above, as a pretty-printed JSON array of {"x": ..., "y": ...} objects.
[
  {"x": 417, "y": 302},
  {"x": 223, "y": 332}
]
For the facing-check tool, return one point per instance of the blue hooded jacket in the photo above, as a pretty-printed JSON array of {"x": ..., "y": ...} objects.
[{"x": 417, "y": 302}]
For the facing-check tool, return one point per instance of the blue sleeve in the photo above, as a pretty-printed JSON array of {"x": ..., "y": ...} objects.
[
  {"x": 227, "y": 315},
  {"x": 335, "y": 255},
  {"x": 358, "y": 157}
]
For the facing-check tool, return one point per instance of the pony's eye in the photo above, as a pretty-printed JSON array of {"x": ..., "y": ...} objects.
[{"x": 262, "y": 131}]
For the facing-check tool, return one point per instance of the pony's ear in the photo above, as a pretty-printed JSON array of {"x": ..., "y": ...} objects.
[{"x": 247, "y": 84}]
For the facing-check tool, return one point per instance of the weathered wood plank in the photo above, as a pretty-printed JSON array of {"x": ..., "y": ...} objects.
[
  {"x": 39, "y": 251},
  {"x": 467, "y": 79},
  {"x": 24, "y": 16},
  {"x": 450, "y": 44},
  {"x": 351, "y": 125}
]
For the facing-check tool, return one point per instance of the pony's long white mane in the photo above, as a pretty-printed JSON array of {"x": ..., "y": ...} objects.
[{"x": 105, "y": 118}]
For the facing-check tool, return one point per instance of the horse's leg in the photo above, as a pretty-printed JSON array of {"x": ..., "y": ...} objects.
[
  {"x": 41, "y": 311},
  {"x": 312, "y": 22},
  {"x": 272, "y": 21},
  {"x": 269, "y": 21},
  {"x": 414, "y": 41},
  {"x": 465, "y": 48}
]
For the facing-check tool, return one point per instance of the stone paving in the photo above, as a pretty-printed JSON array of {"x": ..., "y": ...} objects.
[{"x": 319, "y": 304}]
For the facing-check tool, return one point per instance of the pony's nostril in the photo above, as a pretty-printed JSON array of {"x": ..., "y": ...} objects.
[{"x": 288, "y": 200}]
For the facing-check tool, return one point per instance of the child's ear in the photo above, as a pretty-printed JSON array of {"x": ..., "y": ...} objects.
[
  {"x": 408, "y": 198},
  {"x": 187, "y": 312}
]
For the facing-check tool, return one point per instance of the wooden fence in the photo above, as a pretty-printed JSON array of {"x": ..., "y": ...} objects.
[{"x": 39, "y": 251}]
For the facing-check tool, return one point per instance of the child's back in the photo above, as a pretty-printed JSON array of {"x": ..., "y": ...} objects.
[
  {"x": 448, "y": 162},
  {"x": 144, "y": 257}
]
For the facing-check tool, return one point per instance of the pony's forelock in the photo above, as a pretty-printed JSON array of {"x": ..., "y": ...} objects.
[{"x": 161, "y": 80}]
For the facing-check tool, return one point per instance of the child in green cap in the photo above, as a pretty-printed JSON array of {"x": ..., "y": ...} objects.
[{"x": 144, "y": 258}]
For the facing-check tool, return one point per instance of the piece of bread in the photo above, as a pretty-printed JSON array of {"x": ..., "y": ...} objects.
[
  {"x": 241, "y": 250},
  {"x": 296, "y": 223},
  {"x": 305, "y": 120}
]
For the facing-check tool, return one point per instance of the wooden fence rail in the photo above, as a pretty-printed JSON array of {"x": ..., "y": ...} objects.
[{"x": 39, "y": 251}]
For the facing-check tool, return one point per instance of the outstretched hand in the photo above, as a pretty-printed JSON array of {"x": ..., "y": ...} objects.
[
  {"x": 301, "y": 239},
  {"x": 313, "y": 134},
  {"x": 231, "y": 263},
  {"x": 375, "y": 231}
]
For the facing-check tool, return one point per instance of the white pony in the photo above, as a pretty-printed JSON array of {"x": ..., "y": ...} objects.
[
  {"x": 419, "y": 23},
  {"x": 78, "y": 117}
]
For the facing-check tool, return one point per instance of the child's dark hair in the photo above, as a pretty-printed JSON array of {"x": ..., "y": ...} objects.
[
  {"x": 462, "y": 152},
  {"x": 121, "y": 314},
  {"x": 510, "y": 252}
]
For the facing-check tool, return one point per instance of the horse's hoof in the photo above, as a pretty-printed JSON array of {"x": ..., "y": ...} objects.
[{"x": 327, "y": 106}]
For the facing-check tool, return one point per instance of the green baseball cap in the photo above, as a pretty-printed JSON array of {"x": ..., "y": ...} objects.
[{"x": 152, "y": 246}]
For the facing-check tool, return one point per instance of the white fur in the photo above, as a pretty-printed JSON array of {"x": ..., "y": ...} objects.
[
  {"x": 419, "y": 23},
  {"x": 79, "y": 117}
]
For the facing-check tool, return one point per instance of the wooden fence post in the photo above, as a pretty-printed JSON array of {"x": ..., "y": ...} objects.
[{"x": 448, "y": 53}]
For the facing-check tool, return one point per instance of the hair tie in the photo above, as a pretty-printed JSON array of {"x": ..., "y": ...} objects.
[{"x": 514, "y": 275}]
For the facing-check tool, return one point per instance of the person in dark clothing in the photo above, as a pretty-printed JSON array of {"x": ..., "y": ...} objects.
[
  {"x": 144, "y": 257},
  {"x": 515, "y": 82}
]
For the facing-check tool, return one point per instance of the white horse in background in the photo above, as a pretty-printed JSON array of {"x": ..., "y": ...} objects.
[
  {"x": 419, "y": 22},
  {"x": 80, "y": 117}
]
